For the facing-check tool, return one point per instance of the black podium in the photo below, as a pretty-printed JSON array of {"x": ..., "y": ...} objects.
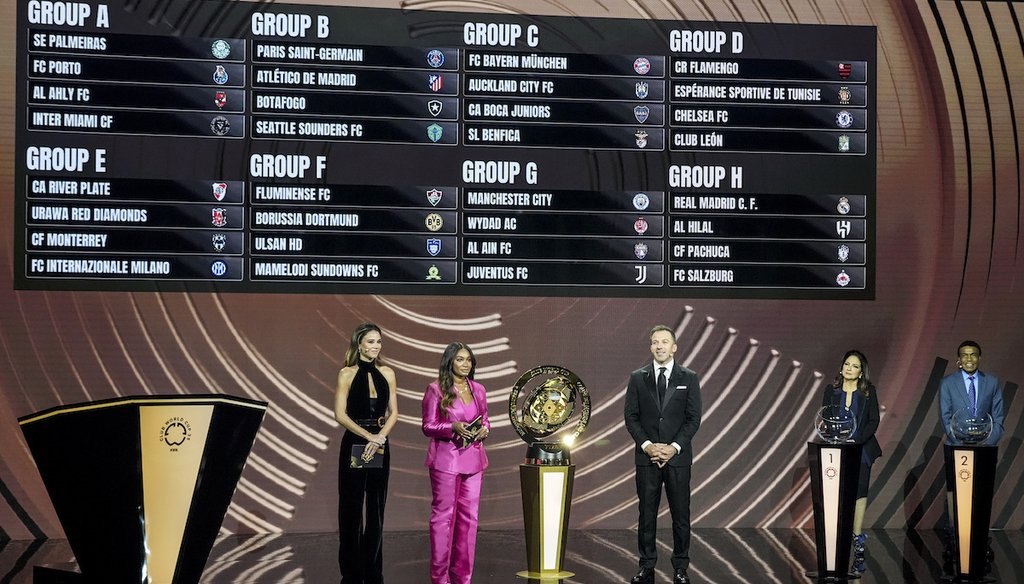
[
  {"x": 141, "y": 484},
  {"x": 971, "y": 478},
  {"x": 834, "y": 471}
]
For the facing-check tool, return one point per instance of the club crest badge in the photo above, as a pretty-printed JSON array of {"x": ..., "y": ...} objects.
[
  {"x": 219, "y": 269},
  {"x": 843, "y": 252},
  {"x": 642, "y": 89},
  {"x": 220, "y": 190},
  {"x": 220, "y": 99},
  {"x": 434, "y": 132},
  {"x": 642, "y": 66},
  {"x": 640, "y": 226},
  {"x": 435, "y": 82},
  {"x": 845, "y": 95},
  {"x": 843, "y": 279},
  {"x": 219, "y": 241},
  {"x": 434, "y": 196},
  {"x": 844, "y": 119},
  {"x": 844, "y": 205},
  {"x": 433, "y": 273},
  {"x": 641, "y": 201},
  {"x": 844, "y": 143},
  {"x": 641, "y": 112},
  {"x": 434, "y": 222},
  {"x": 844, "y": 70},
  {"x": 435, "y": 58},
  {"x": 640, "y": 250},
  {"x": 219, "y": 217},
  {"x": 435, "y": 106},
  {"x": 220, "y": 75},
  {"x": 220, "y": 49},
  {"x": 641, "y": 139},
  {"x": 220, "y": 126},
  {"x": 433, "y": 246}
]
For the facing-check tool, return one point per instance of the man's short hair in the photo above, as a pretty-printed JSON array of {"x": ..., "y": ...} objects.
[
  {"x": 667, "y": 329},
  {"x": 969, "y": 344}
]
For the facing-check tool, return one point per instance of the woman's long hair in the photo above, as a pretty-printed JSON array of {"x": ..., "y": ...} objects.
[
  {"x": 352, "y": 355},
  {"x": 865, "y": 378},
  {"x": 445, "y": 377}
]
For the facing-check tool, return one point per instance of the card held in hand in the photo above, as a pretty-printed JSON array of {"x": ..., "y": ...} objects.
[{"x": 356, "y": 460}]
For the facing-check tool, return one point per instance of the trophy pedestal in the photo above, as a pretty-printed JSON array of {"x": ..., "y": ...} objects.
[
  {"x": 834, "y": 471},
  {"x": 547, "y": 496},
  {"x": 971, "y": 473}
]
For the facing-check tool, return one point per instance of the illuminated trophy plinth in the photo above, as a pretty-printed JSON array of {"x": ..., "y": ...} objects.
[
  {"x": 834, "y": 465},
  {"x": 141, "y": 484},
  {"x": 549, "y": 405},
  {"x": 971, "y": 470}
]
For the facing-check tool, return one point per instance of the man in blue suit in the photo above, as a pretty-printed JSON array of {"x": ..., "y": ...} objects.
[
  {"x": 972, "y": 389},
  {"x": 663, "y": 411}
]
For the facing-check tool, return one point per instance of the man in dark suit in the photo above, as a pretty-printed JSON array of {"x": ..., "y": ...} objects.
[
  {"x": 663, "y": 410},
  {"x": 971, "y": 389}
]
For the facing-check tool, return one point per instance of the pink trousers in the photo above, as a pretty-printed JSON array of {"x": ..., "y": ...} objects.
[{"x": 453, "y": 522}]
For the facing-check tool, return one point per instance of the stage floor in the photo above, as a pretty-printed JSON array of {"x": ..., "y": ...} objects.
[{"x": 723, "y": 556}]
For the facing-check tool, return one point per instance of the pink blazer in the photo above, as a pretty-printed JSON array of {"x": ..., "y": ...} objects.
[{"x": 446, "y": 452}]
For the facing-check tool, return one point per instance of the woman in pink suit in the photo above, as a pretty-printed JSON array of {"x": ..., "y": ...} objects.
[{"x": 456, "y": 460}]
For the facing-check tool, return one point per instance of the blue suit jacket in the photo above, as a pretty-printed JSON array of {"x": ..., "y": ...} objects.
[{"x": 953, "y": 397}]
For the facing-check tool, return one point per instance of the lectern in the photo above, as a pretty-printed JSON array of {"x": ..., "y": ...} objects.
[
  {"x": 141, "y": 484},
  {"x": 971, "y": 472},
  {"x": 834, "y": 470}
]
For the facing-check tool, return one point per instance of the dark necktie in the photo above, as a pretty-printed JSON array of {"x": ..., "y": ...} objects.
[
  {"x": 662, "y": 384},
  {"x": 972, "y": 395}
]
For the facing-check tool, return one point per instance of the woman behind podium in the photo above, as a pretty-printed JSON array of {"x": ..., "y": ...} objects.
[
  {"x": 455, "y": 420},
  {"x": 852, "y": 390},
  {"x": 365, "y": 405}
]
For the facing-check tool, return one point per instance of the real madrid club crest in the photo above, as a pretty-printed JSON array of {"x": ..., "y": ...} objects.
[
  {"x": 642, "y": 89},
  {"x": 435, "y": 106},
  {"x": 220, "y": 190},
  {"x": 641, "y": 139},
  {"x": 434, "y": 222},
  {"x": 220, "y": 75},
  {"x": 435, "y": 58},
  {"x": 844, "y": 119},
  {"x": 640, "y": 250},
  {"x": 843, "y": 279},
  {"x": 641, "y": 113},
  {"x": 220, "y": 125},
  {"x": 219, "y": 240},
  {"x": 845, "y": 95},
  {"x": 843, "y": 206},
  {"x": 844, "y": 252},
  {"x": 641, "y": 201},
  {"x": 640, "y": 226},
  {"x": 434, "y": 196},
  {"x": 434, "y": 132},
  {"x": 642, "y": 65},
  {"x": 220, "y": 49},
  {"x": 433, "y": 246},
  {"x": 219, "y": 269},
  {"x": 219, "y": 216},
  {"x": 844, "y": 143}
]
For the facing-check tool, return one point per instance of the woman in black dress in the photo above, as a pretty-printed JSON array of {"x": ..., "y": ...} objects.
[{"x": 365, "y": 405}]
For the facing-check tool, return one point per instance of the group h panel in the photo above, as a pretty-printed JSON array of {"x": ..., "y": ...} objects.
[{"x": 289, "y": 148}]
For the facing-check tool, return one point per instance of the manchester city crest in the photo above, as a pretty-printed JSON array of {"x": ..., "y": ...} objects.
[
  {"x": 219, "y": 241},
  {"x": 434, "y": 196},
  {"x": 220, "y": 49},
  {"x": 435, "y": 58},
  {"x": 433, "y": 246},
  {"x": 640, "y": 250},
  {"x": 641, "y": 201},
  {"x": 641, "y": 139},
  {"x": 642, "y": 65},
  {"x": 641, "y": 112},
  {"x": 220, "y": 125},
  {"x": 642, "y": 89},
  {"x": 220, "y": 75}
]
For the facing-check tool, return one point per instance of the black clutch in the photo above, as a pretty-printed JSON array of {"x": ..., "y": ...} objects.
[{"x": 357, "y": 461}]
